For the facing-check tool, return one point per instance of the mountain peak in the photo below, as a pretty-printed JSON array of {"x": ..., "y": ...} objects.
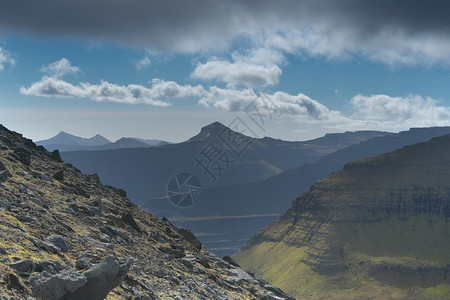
[
  {"x": 215, "y": 125},
  {"x": 213, "y": 129},
  {"x": 63, "y": 133}
]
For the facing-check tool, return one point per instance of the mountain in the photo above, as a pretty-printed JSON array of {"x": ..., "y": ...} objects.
[
  {"x": 152, "y": 142},
  {"x": 64, "y": 138},
  {"x": 210, "y": 156},
  {"x": 228, "y": 216},
  {"x": 378, "y": 229},
  {"x": 66, "y": 142},
  {"x": 64, "y": 235},
  {"x": 121, "y": 144}
]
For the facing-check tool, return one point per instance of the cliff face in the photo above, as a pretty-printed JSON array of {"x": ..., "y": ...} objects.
[
  {"x": 65, "y": 235},
  {"x": 378, "y": 229}
]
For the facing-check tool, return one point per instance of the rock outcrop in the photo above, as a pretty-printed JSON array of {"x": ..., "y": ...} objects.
[{"x": 70, "y": 237}]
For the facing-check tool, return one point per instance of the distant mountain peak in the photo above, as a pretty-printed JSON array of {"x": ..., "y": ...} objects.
[
  {"x": 213, "y": 129},
  {"x": 63, "y": 133}
]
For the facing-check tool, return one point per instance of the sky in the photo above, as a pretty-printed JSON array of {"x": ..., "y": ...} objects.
[{"x": 293, "y": 70}]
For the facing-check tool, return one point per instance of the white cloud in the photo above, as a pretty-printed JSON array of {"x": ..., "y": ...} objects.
[
  {"x": 279, "y": 103},
  {"x": 412, "y": 109},
  {"x": 258, "y": 67},
  {"x": 5, "y": 58},
  {"x": 157, "y": 94},
  {"x": 143, "y": 63},
  {"x": 60, "y": 68},
  {"x": 377, "y": 112}
]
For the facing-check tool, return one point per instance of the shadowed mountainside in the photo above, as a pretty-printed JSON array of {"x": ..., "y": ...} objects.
[
  {"x": 378, "y": 229},
  {"x": 227, "y": 216}
]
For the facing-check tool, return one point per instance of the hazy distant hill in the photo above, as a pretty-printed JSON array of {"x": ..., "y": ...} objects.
[
  {"x": 152, "y": 142},
  {"x": 227, "y": 216},
  {"x": 145, "y": 173},
  {"x": 378, "y": 229},
  {"x": 66, "y": 142}
]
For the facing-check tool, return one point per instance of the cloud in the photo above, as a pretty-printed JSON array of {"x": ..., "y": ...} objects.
[
  {"x": 258, "y": 68},
  {"x": 5, "y": 58},
  {"x": 143, "y": 63},
  {"x": 278, "y": 103},
  {"x": 60, "y": 68},
  {"x": 412, "y": 109},
  {"x": 394, "y": 32},
  {"x": 156, "y": 95},
  {"x": 377, "y": 112}
]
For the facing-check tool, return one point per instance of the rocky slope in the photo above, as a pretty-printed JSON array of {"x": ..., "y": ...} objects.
[
  {"x": 378, "y": 229},
  {"x": 65, "y": 235}
]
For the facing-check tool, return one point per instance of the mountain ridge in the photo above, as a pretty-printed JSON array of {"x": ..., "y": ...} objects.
[
  {"x": 64, "y": 141},
  {"x": 376, "y": 229}
]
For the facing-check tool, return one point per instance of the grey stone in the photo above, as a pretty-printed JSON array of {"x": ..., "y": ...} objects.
[
  {"x": 190, "y": 237},
  {"x": 59, "y": 285},
  {"x": 23, "y": 266},
  {"x": 4, "y": 175},
  {"x": 59, "y": 175},
  {"x": 46, "y": 264},
  {"x": 109, "y": 230},
  {"x": 101, "y": 279},
  {"x": 104, "y": 238},
  {"x": 128, "y": 218},
  {"x": 58, "y": 242},
  {"x": 23, "y": 154},
  {"x": 56, "y": 156},
  {"x": 83, "y": 263},
  {"x": 231, "y": 261}
]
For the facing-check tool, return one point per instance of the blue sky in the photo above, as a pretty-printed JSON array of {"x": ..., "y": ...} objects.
[{"x": 164, "y": 69}]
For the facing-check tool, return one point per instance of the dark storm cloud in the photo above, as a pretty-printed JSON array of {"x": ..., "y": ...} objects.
[{"x": 193, "y": 25}]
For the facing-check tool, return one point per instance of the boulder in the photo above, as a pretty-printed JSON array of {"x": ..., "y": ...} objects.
[
  {"x": 83, "y": 263},
  {"x": 48, "y": 264},
  {"x": 191, "y": 238},
  {"x": 59, "y": 285},
  {"x": 101, "y": 279},
  {"x": 24, "y": 155},
  {"x": 231, "y": 261},
  {"x": 4, "y": 175},
  {"x": 59, "y": 175},
  {"x": 56, "y": 156},
  {"x": 23, "y": 266},
  {"x": 57, "y": 242},
  {"x": 127, "y": 218}
]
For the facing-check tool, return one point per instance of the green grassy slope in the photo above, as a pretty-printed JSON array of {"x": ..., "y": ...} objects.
[{"x": 378, "y": 229}]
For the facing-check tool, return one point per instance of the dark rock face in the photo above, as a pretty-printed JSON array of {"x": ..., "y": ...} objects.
[
  {"x": 56, "y": 156},
  {"x": 190, "y": 237},
  {"x": 24, "y": 155},
  {"x": 128, "y": 219},
  {"x": 231, "y": 261}
]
